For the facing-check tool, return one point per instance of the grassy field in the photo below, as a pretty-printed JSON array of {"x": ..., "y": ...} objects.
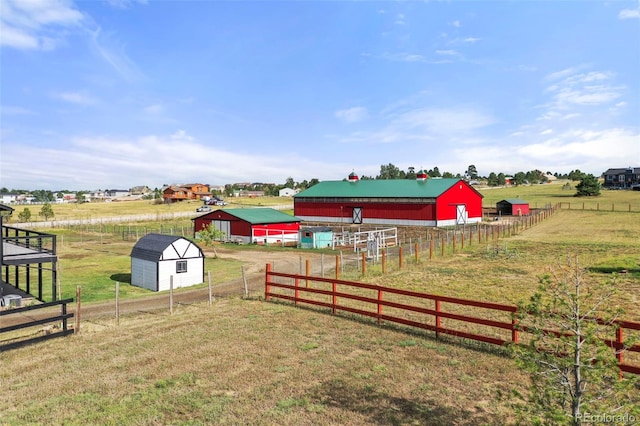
[{"x": 244, "y": 361}]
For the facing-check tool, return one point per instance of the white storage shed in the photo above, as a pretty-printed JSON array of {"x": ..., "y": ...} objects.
[{"x": 156, "y": 258}]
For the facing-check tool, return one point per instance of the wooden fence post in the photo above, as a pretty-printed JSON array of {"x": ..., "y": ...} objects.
[
  {"x": 171, "y": 295},
  {"x": 400, "y": 257},
  {"x": 337, "y": 267},
  {"x": 379, "y": 306},
  {"x": 117, "y": 303},
  {"x": 267, "y": 282},
  {"x": 430, "y": 249},
  {"x": 76, "y": 327},
  {"x": 619, "y": 343},
  {"x": 364, "y": 263},
  {"x": 437, "y": 318},
  {"x": 417, "y": 252},
  {"x": 384, "y": 261},
  {"x": 244, "y": 281},
  {"x": 514, "y": 330}
]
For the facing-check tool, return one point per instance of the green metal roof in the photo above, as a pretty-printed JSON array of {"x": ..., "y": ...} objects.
[
  {"x": 380, "y": 188},
  {"x": 262, "y": 215},
  {"x": 514, "y": 201}
]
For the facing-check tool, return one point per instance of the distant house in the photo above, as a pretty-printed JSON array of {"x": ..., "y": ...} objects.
[
  {"x": 139, "y": 190},
  {"x": 512, "y": 207},
  {"x": 114, "y": 193},
  {"x": 628, "y": 178},
  {"x": 8, "y": 198},
  {"x": 261, "y": 226},
  {"x": 157, "y": 260},
  {"x": 287, "y": 192},
  {"x": 187, "y": 191}
]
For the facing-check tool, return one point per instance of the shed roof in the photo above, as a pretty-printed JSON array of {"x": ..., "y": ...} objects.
[
  {"x": 151, "y": 246},
  {"x": 381, "y": 188},
  {"x": 259, "y": 216},
  {"x": 513, "y": 201}
]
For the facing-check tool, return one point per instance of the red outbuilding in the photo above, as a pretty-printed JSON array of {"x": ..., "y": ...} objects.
[
  {"x": 260, "y": 226},
  {"x": 401, "y": 202},
  {"x": 512, "y": 207}
]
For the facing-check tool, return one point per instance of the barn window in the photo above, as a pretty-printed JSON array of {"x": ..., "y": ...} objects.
[{"x": 181, "y": 266}]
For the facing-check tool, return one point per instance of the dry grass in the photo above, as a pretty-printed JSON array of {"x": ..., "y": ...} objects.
[{"x": 251, "y": 362}]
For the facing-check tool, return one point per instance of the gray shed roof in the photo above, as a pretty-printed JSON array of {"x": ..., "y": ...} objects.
[{"x": 151, "y": 246}]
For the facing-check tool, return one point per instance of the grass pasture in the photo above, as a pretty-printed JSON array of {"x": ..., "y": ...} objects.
[{"x": 245, "y": 361}]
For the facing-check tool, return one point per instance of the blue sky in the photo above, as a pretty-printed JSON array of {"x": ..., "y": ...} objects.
[{"x": 114, "y": 94}]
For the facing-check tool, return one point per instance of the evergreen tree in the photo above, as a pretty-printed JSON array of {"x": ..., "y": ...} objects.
[{"x": 589, "y": 186}]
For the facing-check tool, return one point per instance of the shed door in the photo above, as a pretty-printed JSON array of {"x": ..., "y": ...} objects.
[
  {"x": 224, "y": 226},
  {"x": 461, "y": 214},
  {"x": 357, "y": 215}
]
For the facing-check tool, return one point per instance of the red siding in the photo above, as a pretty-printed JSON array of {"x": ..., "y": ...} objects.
[
  {"x": 369, "y": 210},
  {"x": 443, "y": 209},
  {"x": 274, "y": 228},
  {"x": 238, "y": 226},
  {"x": 460, "y": 193}
]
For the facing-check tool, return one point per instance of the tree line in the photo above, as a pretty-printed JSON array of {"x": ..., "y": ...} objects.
[{"x": 387, "y": 171}]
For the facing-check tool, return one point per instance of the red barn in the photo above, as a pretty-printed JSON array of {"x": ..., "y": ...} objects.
[
  {"x": 402, "y": 202},
  {"x": 262, "y": 226},
  {"x": 512, "y": 207}
]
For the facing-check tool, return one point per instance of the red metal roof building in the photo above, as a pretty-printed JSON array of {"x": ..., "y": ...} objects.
[
  {"x": 261, "y": 225},
  {"x": 402, "y": 202},
  {"x": 513, "y": 207}
]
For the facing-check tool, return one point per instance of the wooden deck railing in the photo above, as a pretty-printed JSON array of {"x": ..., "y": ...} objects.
[
  {"x": 63, "y": 318},
  {"x": 492, "y": 323}
]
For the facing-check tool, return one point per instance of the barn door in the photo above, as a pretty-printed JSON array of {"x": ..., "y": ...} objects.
[
  {"x": 461, "y": 214},
  {"x": 224, "y": 226},
  {"x": 357, "y": 215}
]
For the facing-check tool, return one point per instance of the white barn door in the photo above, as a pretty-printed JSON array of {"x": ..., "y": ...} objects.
[
  {"x": 357, "y": 215},
  {"x": 461, "y": 214}
]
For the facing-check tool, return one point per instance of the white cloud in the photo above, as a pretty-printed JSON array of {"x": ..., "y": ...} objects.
[
  {"x": 14, "y": 110},
  {"x": 546, "y": 132},
  {"x": 589, "y": 151},
  {"x": 447, "y": 52},
  {"x": 79, "y": 98},
  {"x": 629, "y": 13},
  {"x": 114, "y": 53},
  {"x": 107, "y": 161},
  {"x": 154, "y": 109},
  {"x": 456, "y": 24},
  {"x": 571, "y": 88},
  {"x": 352, "y": 115},
  {"x": 36, "y": 24}
]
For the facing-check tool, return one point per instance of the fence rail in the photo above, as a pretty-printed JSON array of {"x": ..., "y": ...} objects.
[
  {"x": 493, "y": 323},
  {"x": 17, "y": 342}
]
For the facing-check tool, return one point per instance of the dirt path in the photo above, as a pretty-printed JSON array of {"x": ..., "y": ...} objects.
[{"x": 254, "y": 262}]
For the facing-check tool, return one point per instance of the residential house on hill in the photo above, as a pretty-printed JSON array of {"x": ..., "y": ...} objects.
[
  {"x": 626, "y": 178},
  {"x": 188, "y": 191}
]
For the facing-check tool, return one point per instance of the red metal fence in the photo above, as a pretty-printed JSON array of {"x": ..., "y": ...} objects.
[{"x": 491, "y": 323}]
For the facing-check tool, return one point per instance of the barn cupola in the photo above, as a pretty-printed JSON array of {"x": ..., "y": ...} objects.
[
  {"x": 421, "y": 175},
  {"x": 353, "y": 177}
]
